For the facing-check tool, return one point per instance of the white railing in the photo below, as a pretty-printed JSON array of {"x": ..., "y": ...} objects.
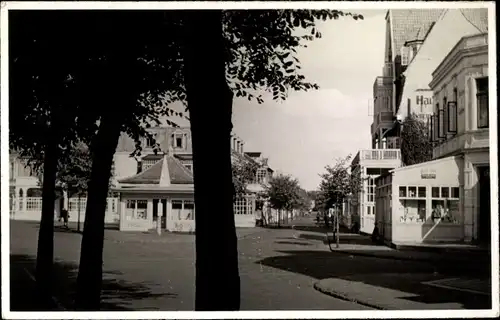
[
  {"x": 381, "y": 154},
  {"x": 33, "y": 204},
  {"x": 74, "y": 203}
]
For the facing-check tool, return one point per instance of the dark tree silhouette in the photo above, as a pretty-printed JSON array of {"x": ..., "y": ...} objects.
[
  {"x": 127, "y": 73},
  {"x": 416, "y": 145}
]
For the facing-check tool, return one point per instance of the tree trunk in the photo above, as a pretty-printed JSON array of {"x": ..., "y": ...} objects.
[
  {"x": 89, "y": 280},
  {"x": 210, "y": 101},
  {"x": 45, "y": 251}
]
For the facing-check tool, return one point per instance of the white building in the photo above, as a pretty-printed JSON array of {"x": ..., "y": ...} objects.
[{"x": 447, "y": 199}]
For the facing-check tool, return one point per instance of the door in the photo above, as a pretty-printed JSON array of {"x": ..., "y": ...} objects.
[
  {"x": 164, "y": 212},
  {"x": 484, "y": 232}
]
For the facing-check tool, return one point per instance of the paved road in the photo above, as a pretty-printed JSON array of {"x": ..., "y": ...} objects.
[
  {"x": 146, "y": 272},
  {"x": 278, "y": 268}
]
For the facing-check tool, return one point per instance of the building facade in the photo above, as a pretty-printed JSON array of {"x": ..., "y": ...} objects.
[
  {"x": 446, "y": 199},
  {"x": 146, "y": 187},
  {"x": 404, "y": 27}
]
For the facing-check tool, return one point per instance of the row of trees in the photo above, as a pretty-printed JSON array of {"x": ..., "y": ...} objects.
[
  {"x": 120, "y": 73},
  {"x": 285, "y": 194}
]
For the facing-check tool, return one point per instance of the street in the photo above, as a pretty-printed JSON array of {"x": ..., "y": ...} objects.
[{"x": 278, "y": 270}]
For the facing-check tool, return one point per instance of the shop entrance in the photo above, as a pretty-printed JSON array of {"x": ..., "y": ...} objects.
[
  {"x": 484, "y": 232},
  {"x": 164, "y": 212}
]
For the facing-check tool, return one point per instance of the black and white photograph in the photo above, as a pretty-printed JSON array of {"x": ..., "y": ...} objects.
[{"x": 280, "y": 159}]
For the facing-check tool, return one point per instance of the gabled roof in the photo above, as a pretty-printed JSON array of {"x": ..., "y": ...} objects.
[
  {"x": 166, "y": 171},
  {"x": 421, "y": 33},
  {"x": 405, "y": 22},
  {"x": 478, "y": 17}
]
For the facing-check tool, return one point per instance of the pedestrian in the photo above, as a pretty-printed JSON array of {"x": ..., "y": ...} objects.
[{"x": 65, "y": 217}]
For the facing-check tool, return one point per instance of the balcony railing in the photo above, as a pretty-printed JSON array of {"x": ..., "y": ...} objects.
[{"x": 381, "y": 154}]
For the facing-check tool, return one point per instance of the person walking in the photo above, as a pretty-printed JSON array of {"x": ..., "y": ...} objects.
[{"x": 65, "y": 217}]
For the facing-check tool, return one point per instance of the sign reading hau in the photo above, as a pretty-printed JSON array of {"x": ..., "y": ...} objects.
[{"x": 421, "y": 100}]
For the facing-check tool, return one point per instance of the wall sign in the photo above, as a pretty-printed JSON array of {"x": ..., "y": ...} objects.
[
  {"x": 423, "y": 101},
  {"x": 428, "y": 174}
]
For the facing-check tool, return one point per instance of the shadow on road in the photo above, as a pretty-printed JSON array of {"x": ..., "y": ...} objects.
[
  {"x": 116, "y": 295},
  {"x": 403, "y": 276}
]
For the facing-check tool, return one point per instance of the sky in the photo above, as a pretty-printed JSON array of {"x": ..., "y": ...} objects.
[{"x": 311, "y": 129}]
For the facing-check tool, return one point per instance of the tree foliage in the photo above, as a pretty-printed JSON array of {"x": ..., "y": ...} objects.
[
  {"x": 416, "y": 145},
  {"x": 244, "y": 172},
  {"x": 337, "y": 183},
  {"x": 283, "y": 192},
  {"x": 115, "y": 76}
]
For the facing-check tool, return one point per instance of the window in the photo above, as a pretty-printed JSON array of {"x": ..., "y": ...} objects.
[
  {"x": 137, "y": 209},
  {"x": 189, "y": 166},
  {"x": 404, "y": 56},
  {"x": 482, "y": 103},
  {"x": 445, "y": 117},
  {"x": 178, "y": 140},
  {"x": 445, "y": 204},
  {"x": 261, "y": 175},
  {"x": 452, "y": 116},
  {"x": 151, "y": 141},
  {"x": 183, "y": 209},
  {"x": 432, "y": 131},
  {"x": 371, "y": 189},
  {"x": 441, "y": 124}
]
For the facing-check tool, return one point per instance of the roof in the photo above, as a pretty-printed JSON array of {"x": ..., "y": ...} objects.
[
  {"x": 406, "y": 22},
  {"x": 478, "y": 17},
  {"x": 177, "y": 173},
  {"x": 421, "y": 33}
]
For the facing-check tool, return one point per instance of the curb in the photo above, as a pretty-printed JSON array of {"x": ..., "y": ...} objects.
[
  {"x": 346, "y": 298},
  {"x": 370, "y": 255}
]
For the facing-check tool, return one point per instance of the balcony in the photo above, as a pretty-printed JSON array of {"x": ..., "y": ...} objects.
[
  {"x": 380, "y": 154},
  {"x": 383, "y": 158},
  {"x": 385, "y": 118},
  {"x": 478, "y": 139}
]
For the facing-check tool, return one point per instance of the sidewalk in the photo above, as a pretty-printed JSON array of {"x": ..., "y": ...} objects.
[
  {"x": 355, "y": 244},
  {"x": 408, "y": 291}
]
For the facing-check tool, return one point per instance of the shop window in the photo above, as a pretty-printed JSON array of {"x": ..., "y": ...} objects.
[
  {"x": 422, "y": 192},
  {"x": 482, "y": 103},
  {"x": 414, "y": 210},
  {"x": 137, "y": 209},
  {"x": 183, "y": 209},
  {"x": 445, "y": 205},
  {"x": 412, "y": 192},
  {"x": 402, "y": 192},
  {"x": 445, "y": 192},
  {"x": 435, "y": 192}
]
